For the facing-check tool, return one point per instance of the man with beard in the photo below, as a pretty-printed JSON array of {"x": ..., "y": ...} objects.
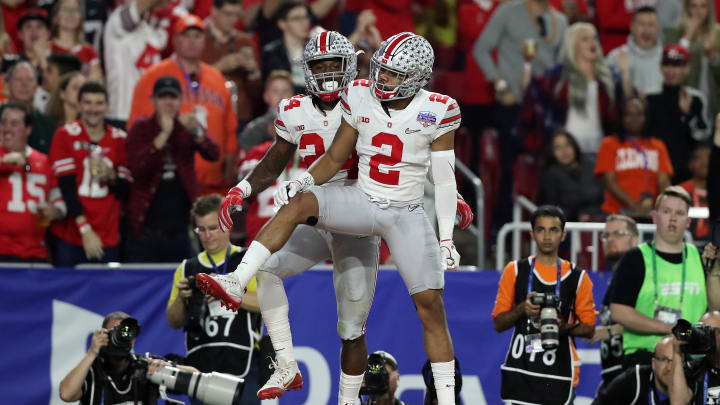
[{"x": 619, "y": 236}]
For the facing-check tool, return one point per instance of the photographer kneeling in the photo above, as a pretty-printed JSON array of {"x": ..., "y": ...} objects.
[
  {"x": 696, "y": 380},
  {"x": 108, "y": 372},
  {"x": 381, "y": 380}
]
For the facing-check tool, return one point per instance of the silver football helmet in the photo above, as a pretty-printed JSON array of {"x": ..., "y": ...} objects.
[
  {"x": 410, "y": 57},
  {"x": 329, "y": 45}
]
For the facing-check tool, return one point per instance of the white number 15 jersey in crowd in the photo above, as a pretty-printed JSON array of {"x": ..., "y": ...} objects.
[
  {"x": 394, "y": 151},
  {"x": 301, "y": 123}
]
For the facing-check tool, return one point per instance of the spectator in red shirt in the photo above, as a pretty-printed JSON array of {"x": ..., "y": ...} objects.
[
  {"x": 160, "y": 153},
  {"x": 697, "y": 188},
  {"x": 68, "y": 36},
  {"x": 88, "y": 158},
  {"x": 393, "y": 16},
  {"x": 26, "y": 189},
  {"x": 12, "y": 10}
]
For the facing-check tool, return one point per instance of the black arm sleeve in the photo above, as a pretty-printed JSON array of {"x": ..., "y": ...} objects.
[
  {"x": 713, "y": 183},
  {"x": 68, "y": 189},
  {"x": 121, "y": 189},
  {"x": 628, "y": 278},
  {"x": 621, "y": 390}
]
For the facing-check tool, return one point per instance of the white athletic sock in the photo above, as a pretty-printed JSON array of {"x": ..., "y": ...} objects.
[
  {"x": 444, "y": 375},
  {"x": 349, "y": 388},
  {"x": 255, "y": 257},
  {"x": 278, "y": 327}
]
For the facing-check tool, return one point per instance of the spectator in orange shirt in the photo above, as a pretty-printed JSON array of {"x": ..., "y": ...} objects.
[
  {"x": 697, "y": 188},
  {"x": 634, "y": 166},
  {"x": 206, "y": 102},
  {"x": 532, "y": 373}
]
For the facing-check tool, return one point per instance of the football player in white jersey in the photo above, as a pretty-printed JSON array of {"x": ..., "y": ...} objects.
[
  {"x": 307, "y": 124},
  {"x": 398, "y": 129}
]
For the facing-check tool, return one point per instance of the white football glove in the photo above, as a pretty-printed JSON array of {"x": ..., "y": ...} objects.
[
  {"x": 449, "y": 255},
  {"x": 288, "y": 189}
]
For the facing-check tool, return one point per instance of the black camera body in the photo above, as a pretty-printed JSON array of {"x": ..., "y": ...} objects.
[
  {"x": 377, "y": 378},
  {"x": 120, "y": 338},
  {"x": 195, "y": 309},
  {"x": 549, "y": 327},
  {"x": 699, "y": 338},
  {"x": 546, "y": 300}
]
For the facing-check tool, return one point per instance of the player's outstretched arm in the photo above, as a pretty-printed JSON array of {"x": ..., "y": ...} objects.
[
  {"x": 340, "y": 150},
  {"x": 271, "y": 165},
  {"x": 442, "y": 156},
  {"x": 260, "y": 178}
]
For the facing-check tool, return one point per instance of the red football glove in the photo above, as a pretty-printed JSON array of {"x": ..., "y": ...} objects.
[
  {"x": 466, "y": 214},
  {"x": 231, "y": 203}
]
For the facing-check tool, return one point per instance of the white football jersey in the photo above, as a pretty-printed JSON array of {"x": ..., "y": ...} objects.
[
  {"x": 394, "y": 151},
  {"x": 301, "y": 123}
]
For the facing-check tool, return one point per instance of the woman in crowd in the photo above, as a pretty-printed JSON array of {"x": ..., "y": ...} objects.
[
  {"x": 581, "y": 94},
  {"x": 698, "y": 31},
  {"x": 62, "y": 107},
  {"x": 68, "y": 36},
  {"x": 634, "y": 166},
  {"x": 567, "y": 180}
]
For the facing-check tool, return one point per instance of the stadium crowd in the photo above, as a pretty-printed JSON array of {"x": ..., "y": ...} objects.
[
  {"x": 617, "y": 96},
  {"x": 117, "y": 116}
]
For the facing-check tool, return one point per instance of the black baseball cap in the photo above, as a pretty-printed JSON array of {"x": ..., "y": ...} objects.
[
  {"x": 167, "y": 85},
  {"x": 34, "y": 14}
]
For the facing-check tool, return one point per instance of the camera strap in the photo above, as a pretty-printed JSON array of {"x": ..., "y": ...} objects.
[
  {"x": 559, "y": 276},
  {"x": 655, "y": 282},
  {"x": 705, "y": 387},
  {"x": 225, "y": 263}
]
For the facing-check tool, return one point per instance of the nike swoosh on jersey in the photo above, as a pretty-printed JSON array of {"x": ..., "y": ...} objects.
[{"x": 411, "y": 131}]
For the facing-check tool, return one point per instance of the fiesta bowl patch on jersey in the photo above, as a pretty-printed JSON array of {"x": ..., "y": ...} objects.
[{"x": 426, "y": 118}]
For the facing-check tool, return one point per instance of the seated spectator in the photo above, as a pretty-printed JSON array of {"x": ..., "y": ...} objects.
[
  {"x": 286, "y": 53},
  {"x": 581, "y": 94},
  {"x": 233, "y": 53},
  {"x": 56, "y": 65},
  {"x": 698, "y": 31},
  {"x": 278, "y": 86},
  {"x": 63, "y": 104},
  {"x": 677, "y": 116},
  {"x": 88, "y": 158},
  {"x": 22, "y": 82},
  {"x": 207, "y": 103},
  {"x": 634, "y": 166},
  {"x": 697, "y": 188},
  {"x": 638, "y": 60},
  {"x": 567, "y": 179},
  {"x": 68, "y": 37},
  {"x": 29, "y": 198},
  {"x": 131, "y": 45},
  {"x": 160, "y": 153}
]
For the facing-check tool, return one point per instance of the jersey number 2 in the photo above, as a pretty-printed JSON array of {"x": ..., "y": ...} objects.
[{"x": 392, "y": 177}]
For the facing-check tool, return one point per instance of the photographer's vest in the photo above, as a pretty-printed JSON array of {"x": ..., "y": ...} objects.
[
  {"x": 669, "y": 293},
  {"x": 222, "y": 343},
  {"x": 547, "y": 377}
]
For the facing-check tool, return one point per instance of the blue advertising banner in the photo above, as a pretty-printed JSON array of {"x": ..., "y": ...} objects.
[{"x": 48, "y": 317}]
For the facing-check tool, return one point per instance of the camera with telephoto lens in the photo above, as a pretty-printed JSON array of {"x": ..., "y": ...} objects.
[
  {"x": 120, "y": 338},
  {"x": 549, "y": 328},
  {"x": 377, "y": 378},
  {"x": 699, "y": 338},
  {"x": 194, "y": 309},
  {"x": 209, "y": 388}
]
